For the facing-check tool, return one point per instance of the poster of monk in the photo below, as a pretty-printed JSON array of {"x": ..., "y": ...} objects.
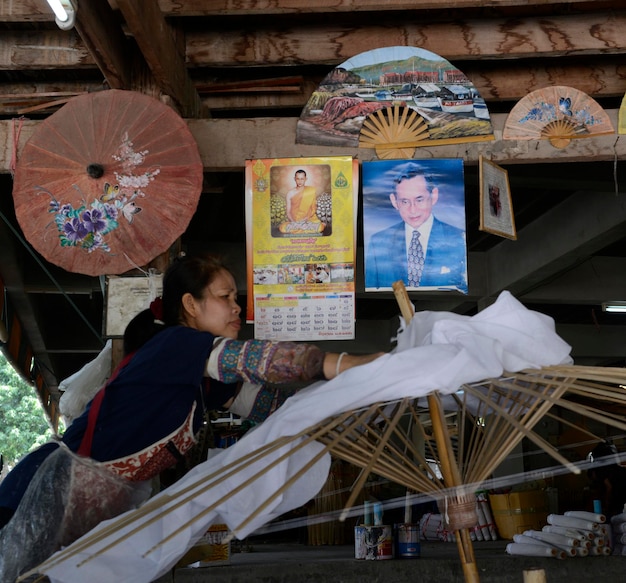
[
  {"x": 301, "y": 247},
  {"x": 302, "y": 200}
]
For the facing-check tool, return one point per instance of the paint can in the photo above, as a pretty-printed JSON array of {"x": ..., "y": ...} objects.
[
  {"x": 373, "y": 543},
  {"x": 407, "y": 537}
]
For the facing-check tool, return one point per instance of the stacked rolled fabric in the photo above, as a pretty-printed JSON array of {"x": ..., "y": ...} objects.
[
  {"x": 432, "y": 527},
  {"x": 576, "y": 533},
  {"x": 486, "y": 527},
  {"x": 618, "y": 527}
]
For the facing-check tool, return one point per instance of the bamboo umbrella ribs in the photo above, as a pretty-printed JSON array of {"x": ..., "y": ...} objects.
[{"x": 462, "y": 392}]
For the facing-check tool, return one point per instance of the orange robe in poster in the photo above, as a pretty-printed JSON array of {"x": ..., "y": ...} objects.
[{"x": 302, "y": 208}]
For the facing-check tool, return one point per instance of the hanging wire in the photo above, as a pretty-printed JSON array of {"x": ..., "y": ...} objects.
[
  {"x": 493, "y": 484},
  {"x": 615, "y": 182},
  {"x": 4, "y": 319},
  {"x": 52, "y": 279}
]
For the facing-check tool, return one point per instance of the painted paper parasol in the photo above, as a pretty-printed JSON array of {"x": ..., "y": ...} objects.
[{"x": 107, "y": 183}]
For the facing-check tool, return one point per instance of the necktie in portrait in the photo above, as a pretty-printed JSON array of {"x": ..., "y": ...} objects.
[{"x": 415, "y": 260}]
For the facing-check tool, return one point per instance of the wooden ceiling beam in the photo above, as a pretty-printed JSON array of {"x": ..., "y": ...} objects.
[
  {"x": 164, "y": 57},
  {"x": 241, "y": 139},
  {"x": 103, "y": 36}
]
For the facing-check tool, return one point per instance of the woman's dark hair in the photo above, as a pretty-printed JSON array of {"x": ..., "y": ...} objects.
[
  {"x": 188, "y": 274},
  {"x": 139, "y": 330}
]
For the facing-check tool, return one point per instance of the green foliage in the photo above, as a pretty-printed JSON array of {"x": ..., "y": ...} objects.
[{"x": 23, "y": 421}]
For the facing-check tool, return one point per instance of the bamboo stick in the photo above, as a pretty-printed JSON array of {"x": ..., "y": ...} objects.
[
  {"x": 449, "y": 467},
  {"x": 156, "y": 504},
  {"x": 368, "y": 468},
  {"x": 308, "y": 439},
  {"x": 535, "y": 576},
  {"x": 384, "y": 466},
  {"x": 314, "y": 437}
]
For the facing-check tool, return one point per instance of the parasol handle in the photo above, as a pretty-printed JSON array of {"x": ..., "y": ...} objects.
[
  {"x": 449, "y": 467},
  {"x": 402, "y": 297}
]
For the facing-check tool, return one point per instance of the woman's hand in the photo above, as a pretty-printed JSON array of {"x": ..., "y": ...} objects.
[{"x": 335, "y": 363}]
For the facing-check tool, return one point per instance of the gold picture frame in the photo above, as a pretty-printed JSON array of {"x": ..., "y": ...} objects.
[{"x": 496, "y": 207}]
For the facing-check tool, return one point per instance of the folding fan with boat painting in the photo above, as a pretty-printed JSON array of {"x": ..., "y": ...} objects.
[{"x": 558, "y": 114}]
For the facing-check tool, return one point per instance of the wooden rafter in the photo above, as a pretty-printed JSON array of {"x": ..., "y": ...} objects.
[{"x": 164, "y": 57}]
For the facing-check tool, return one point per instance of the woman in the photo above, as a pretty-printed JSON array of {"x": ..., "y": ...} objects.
[{"x": 183, "y": 357}]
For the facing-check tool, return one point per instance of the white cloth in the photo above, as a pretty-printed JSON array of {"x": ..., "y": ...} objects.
[
  {"x": 244, "y": 401},
  {"x": 81, "y": 387},
  {"x": 436, "y": 352}
]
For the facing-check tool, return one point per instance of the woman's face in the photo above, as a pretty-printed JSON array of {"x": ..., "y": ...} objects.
[{"x": 217, "y": 312}]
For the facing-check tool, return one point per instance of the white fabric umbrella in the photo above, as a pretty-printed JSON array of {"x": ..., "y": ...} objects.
[{"x": 436, "y": 352}]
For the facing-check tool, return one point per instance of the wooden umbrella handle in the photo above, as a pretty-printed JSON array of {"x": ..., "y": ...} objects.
[
  {"x": 402, "y": 297},
  {"x": 449, "y": 466}
]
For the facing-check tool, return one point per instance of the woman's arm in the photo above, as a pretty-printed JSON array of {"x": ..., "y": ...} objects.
[
  {"x": 336, "y": 363},
  {"x": 259, "y": 361}
]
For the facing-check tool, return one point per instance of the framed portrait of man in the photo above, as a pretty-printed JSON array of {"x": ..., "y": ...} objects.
[
  {"x": 414, "y": 224},
  {"x": 496, "y": 207}
]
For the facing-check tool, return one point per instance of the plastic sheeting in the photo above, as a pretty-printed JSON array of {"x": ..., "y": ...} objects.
[{"x": 67, "y": 497}]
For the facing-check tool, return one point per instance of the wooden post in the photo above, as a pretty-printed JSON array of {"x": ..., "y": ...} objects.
[
  {"x": 449, "y": 467},
  {"x": 117, "y": 352}
]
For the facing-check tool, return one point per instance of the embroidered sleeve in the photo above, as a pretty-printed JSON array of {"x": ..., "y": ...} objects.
[{"x": 261, "y": 361}]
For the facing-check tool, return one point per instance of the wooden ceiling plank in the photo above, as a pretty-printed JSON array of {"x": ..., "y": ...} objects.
[
  {"x": 160, "y": 51},
  {"x": 499, "y": 83},
  {"x": 38, "y": 10},
  {"x": 50, "y": 49},
  {"x": 229, "y": 7},
  {"x": 604, "y": 78},
  {"x": 272, "y": 84},
  {"x": 570, "y": 35},
  {"x": 26, "y": 11},
  {"x": 58, "y": 49}
]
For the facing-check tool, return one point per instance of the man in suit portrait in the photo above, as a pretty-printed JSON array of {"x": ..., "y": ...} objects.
[{"x": 420, "y": 249}]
